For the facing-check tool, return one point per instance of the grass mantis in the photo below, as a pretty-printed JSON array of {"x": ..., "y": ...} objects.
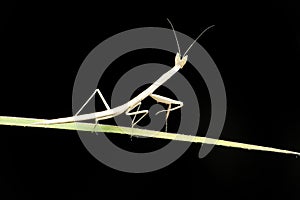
[
  {"x": 129, "y": 106},
  {"x": 67, "y": 123}
]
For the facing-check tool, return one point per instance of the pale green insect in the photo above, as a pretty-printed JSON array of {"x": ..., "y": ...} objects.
[{"x": 127, "y": 107}]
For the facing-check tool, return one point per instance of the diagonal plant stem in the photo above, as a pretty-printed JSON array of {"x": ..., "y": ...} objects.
[{"x": 88, "y": 127}]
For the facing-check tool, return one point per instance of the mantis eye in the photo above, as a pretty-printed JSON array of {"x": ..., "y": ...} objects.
[
  {"x": 185, "y": 58},
  {"x": 183, "y": 61},
  {"x": 177, "y": 58}
]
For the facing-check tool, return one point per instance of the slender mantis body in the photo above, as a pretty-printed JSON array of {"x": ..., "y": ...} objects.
[
  {"x": 130, "y": 105},
  {"x": 127, "y": 108}
]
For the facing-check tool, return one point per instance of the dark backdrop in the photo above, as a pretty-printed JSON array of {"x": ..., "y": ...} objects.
[{"x": 255, "y": 46}]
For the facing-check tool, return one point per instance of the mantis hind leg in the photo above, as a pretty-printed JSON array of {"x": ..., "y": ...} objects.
[
  {"x": 97, "y": 91},
  {"x": 99, "y": 119},
  {"x": 94, "y": 129},
  {"x": 169, "y": 102}
]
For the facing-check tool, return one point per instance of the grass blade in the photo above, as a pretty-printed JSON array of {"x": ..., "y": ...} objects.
[{"x": 88, "y": 127}]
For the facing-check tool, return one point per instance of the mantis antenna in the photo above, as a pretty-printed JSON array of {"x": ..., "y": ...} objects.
[
  {"x": 197, "y": 39},
  {"x": 175, "y": 36}
]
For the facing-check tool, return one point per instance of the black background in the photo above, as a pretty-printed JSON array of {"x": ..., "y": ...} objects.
[{"x": 255, "y": 46}]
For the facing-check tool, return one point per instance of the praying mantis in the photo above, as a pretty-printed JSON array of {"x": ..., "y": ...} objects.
[{"x": 128, "y": 107}]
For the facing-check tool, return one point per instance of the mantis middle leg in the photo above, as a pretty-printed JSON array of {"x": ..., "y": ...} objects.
[{"x": 144, "y": 112}]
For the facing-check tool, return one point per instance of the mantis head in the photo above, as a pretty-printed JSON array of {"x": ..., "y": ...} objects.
[{"x": 180, "y": 61}]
